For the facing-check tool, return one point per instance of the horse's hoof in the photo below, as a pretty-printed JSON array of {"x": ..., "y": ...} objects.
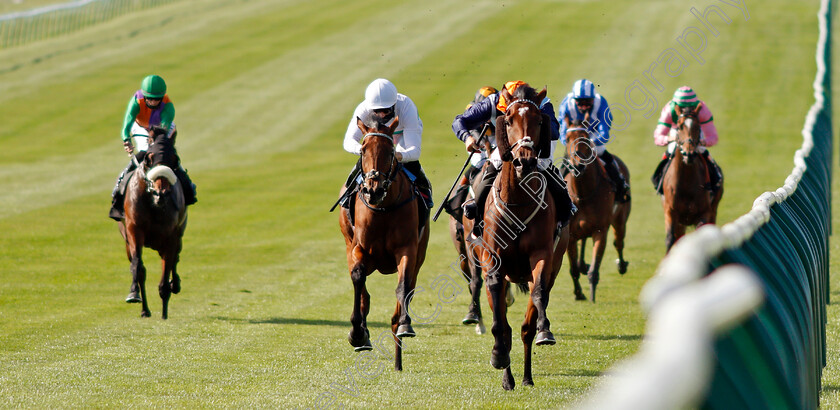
[
  {"x": 133, "y": 297},
  {"x": 145, "y": 314},
  {"x": 527, "y": 382},
  {"x": 499, "y": 361},
  {"x": 622, "y": 266},
  {"x": 360, "y": 345},
  {"x": 175, "y": 285},
  {"x": 405, "y": 331},
  {"x": 480, "y": 329},
  {"x": 470, "y": 319},
  {"x": 545, "y": 338}
]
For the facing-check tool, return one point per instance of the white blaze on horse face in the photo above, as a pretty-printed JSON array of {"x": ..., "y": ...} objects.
[{"x": 523, "y": 110}]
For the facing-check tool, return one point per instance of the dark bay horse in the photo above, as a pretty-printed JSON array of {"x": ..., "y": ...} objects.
[
  {"x": 385, "y": 234},
  {"x": 685, "y": 199},
  {"x": 521, "y": 242},
  {"x": 459, "y": 229},
  {"x": 155, "y": 217},
  {"x": 591, "y": 191}
]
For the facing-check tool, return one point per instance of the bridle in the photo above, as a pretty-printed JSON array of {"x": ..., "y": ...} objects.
[
  {"x": 680, "y": 141},
  {"x": 581, "y": 165},
  {"x": 374, "y": 174},
  {"x": 526, "y": 141}
]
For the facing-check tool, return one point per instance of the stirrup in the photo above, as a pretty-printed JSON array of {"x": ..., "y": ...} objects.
[{"x": 470, "y": 209}]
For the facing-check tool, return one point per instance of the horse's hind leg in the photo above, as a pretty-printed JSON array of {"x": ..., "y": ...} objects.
[
  {"x": 574, "y": 270},
  {"x": 165, "y": 286},
  {"x": 138, "y": 271},
  {"x": 529, "y": 331},
  {"x": 474, "y": 314},
  {"x": 619, "y": 232},
  {"x": 599, "y": 245}
]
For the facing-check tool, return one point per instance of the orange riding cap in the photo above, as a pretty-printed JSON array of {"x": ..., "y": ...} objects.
[{"x": 510, "y": 86}]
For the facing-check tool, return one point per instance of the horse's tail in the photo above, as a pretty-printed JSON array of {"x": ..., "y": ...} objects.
[{"x": 523, "y": 287}]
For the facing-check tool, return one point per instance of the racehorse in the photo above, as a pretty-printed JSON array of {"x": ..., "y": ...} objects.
[
  {"x": 155, "y": 217},
  {"x": 685, "y": 199},
  {"x": 384, "y": 235},
  {"x": 591, "y": 191},
  {"x": 522, "y": 242}
]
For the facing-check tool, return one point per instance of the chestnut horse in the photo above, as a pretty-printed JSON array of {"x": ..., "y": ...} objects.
[
  {"x": 521, "y": 242},
  {"x": 591, "y": 191},
  {"x": 155, "y": 217},
  {"x": 385, "y": 234},
  {"x": 685, "y": 199}
]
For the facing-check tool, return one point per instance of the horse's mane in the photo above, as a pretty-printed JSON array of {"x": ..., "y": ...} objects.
[{"x": 526, "y": 92}]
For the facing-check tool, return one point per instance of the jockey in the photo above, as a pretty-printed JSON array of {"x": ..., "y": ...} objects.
[
  {"x": 382, "y": 101},
  {"x": 666, "y": 132},
  {"x": 486, "y": 111},
  {"x": 582, "y": 100},
  {"x": 148, "y": 107},
  {"x": 482, "y": 94}
]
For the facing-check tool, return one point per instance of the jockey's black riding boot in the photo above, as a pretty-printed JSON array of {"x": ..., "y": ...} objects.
[
  {"x": 187, "y": 185},
  {"x": 481, "y": 188},
  {"x": 422, "y": 183},
  {"x": 621, "y": 186},
  {"x": 563, "y": 204},
  {"x": 714, "y": 171},
  {"x": 118, "y": 194},
  {"x": 351, "y": 184}
]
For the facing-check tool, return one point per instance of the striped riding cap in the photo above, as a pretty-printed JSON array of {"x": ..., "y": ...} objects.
[
  {"x": 685, "y": 97},
  {"x": 583, "y": 88},
  {"x": 482, "y": 95}
]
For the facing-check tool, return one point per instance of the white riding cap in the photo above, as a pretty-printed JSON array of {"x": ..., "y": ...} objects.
[{"x": 381, "y": 93}]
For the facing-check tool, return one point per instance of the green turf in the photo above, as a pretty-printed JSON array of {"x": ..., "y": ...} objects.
[{"x": 263, "y": 92}]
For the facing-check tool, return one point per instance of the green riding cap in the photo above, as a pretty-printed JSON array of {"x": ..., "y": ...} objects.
[{"x": 153, "y": 86}]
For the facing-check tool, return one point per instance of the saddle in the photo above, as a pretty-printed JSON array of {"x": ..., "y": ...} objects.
[
  {"x": 453, "y": 206},
  {"x": 711, "y": 166}
]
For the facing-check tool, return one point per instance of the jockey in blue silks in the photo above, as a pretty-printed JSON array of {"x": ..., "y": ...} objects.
[{"x": 582, "y": 100}]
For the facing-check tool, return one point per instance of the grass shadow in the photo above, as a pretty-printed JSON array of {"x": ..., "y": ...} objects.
[
  {"x": 603, "y": 337},
  {"x": 296, "y": 321}
]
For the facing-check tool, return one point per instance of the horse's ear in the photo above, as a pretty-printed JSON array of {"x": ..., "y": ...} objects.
[
  {"x": 506, "y": 95},
  {"x": 502, "y": 140},
  {"x": 586, "y": 118},
  {"x": 568, "y": 121},
  {"x": 698, "y": 108},
  {"x": 361, "y": 125},
  {"x": 394, "y": 125},
  {"x": 541, "y": 95}
]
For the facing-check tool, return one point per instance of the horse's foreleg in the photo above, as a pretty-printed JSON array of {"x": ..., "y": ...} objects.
[
  {"x": 359, "y": 336},
  {"x": 474, "y": 314},
  {"x": 529, "y": 331},
  {"x": 138, "y": 270},
  {"x": 542, "y": 281},
  {"x": 670, "y": 231},
  {"x": 582, "y": 266},
  {"x": 574, "y": 269},
  {"x": 496, "y": 289},
  {"x": 599, "y": 245}
]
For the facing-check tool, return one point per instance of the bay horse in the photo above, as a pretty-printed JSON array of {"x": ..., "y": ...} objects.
[
  {"x": 591, "y": 191},
  {"x": 521, "y": 242},
  {"x": 155, "y": 217},
  {"x": 685, "y": 199},
  {"x": 384, "y": 234}
]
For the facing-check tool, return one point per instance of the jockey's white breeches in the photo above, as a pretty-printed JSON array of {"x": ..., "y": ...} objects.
[{"x": 140, "y": 136}]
